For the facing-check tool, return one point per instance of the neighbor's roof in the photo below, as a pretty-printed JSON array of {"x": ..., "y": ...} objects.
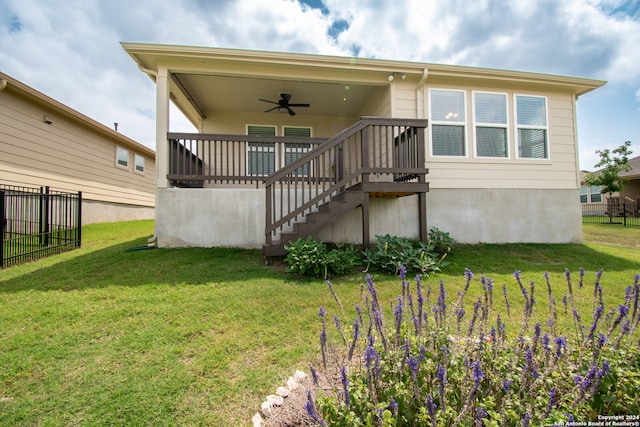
[
  {"x": 9, "y": 83},
  {"x": 634, "y": 172}
]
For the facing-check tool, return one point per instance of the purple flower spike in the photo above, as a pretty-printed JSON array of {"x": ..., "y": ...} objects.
[
  {"x": 345, "y": 386},
  {"x": 431, "y": 407},
  {"x": 561, "y": 343},
  {"x": 468, "y": 274},
  {"x": 402, "y": 270},
  {"x": 478, "y": 375},
  {"x": 393, "y": 405},
  {"x": 310, "y": 407}
]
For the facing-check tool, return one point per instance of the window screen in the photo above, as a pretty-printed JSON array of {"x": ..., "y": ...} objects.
[
  {"x": 531, "y": 113},
  {"x": 261, "y": 156},
  {"x": 448, "y": 120},
  {"x": 490, "y": 110}
]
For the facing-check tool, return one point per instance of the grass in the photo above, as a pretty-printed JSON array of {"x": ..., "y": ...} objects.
[{"x": 106, "y": 336}]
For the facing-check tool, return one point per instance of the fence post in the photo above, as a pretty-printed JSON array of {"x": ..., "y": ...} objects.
[
  {"x": 624, "y": 214},
  {"x": 3, "y": 216},
  {"x": 79, "y": 219},
  {"x": 44, "y": 216}
]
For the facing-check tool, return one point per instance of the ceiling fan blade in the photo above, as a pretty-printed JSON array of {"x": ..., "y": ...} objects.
[
  {"x": 291, "y": 112},
  {"x": 270, "y": 109},
  {"x": 299, "y": 105},
  {"x": 266, "y": 100}
]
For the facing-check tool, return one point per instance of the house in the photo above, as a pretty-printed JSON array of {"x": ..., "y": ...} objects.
[
  {"x": 628, "y": 200},
  {"x": 343, "y": 149},
  {"x": 45, "y": 143}
]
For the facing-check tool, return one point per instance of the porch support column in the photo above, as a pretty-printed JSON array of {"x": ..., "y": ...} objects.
[
  {"x": 365, "y": 220},
  {"x": 162, "y": 127},
  {"x": 422, "y": 211}
]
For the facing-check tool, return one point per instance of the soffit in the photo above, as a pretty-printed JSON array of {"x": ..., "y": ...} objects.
[{"x": 215, "y": 79}]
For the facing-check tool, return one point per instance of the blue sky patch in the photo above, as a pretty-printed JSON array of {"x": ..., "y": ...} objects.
[
  {"x": 15, "y": 26},
  {"x": 316, "y": 4},
  {"x": 337, "y": 27}
]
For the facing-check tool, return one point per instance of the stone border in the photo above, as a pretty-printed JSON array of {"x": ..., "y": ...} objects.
[{"x": 273, "y": 401}]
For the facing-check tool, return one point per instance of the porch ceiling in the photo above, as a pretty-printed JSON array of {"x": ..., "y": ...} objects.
[{"x": 210, "y": 93}]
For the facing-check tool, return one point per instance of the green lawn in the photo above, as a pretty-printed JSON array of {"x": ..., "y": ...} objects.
[{"x": 106, "y": 336}]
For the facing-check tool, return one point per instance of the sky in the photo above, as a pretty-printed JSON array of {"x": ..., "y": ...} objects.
[{"x": 70, "y": 50}]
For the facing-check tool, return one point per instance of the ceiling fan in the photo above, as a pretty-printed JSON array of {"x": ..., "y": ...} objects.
[{"x": 283, "y": 105}]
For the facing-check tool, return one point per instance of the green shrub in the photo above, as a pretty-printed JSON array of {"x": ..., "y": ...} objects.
[
  {"x": 442, "y": 241},
  {"x": 391, "y": 252},
  {"x": 312, "y": 258}
]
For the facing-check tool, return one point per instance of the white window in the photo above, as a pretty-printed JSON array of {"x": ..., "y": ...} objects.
[
  {"x": 595, "y": 192},
  {"x": 584, "y": 194},
  {"x": 532, "y": 132},
  {"x": 293, "y": 152},
  {"x": 264, "y": 158},
  {"x": 448, "y": 122},
  {"x": 122, "y": 157},
  {"x": 261, "y": 156},
  {"x": 138, "y": 162},
  {"x": 491, "y": 124}
]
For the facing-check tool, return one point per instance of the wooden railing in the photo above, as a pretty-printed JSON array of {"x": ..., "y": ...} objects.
[
  {"x": 199, "y": 159},
  {"x": 373, "y": 150}
]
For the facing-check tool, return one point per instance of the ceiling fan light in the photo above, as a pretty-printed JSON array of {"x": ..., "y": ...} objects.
[{"x": 283, "y": 110}]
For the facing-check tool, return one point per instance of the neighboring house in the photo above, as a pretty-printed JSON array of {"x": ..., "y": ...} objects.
[
  {"x": 45, "y": 143},
  {"x": 630, "y": 194},
  {"x": 383, "y": 147}
]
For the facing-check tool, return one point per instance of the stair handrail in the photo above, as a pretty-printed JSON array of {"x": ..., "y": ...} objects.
[{"x": 339, "y": 182}]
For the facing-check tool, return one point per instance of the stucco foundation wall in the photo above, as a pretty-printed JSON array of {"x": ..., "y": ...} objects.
[
  {"x": 210, "y": 217},
  {"x": 506, "y": 215},
  {"x": 229, "y": 217},
  {"x": 97, "y": 211}
]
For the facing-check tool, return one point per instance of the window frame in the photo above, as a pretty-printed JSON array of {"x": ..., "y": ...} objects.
[
  {"x": 278, "y": 150},
  {"x": 306, "y": 149},
  {"x": 583, "y": 192},
  {"x": 434, "y": 122},
  {"x": 594, "y": 192},
  {"x": 478, "y": 124},
  {"x": 545, "y": 127},
  {"x": 125, "y": 152},
  {"x": 137, "y": 157},
  {"x": 252, "y": 149}
]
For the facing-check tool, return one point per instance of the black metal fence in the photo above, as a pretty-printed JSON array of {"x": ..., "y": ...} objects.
[
  {"x": 624, "y": 214},
  {"x": 37, "y": 222}
]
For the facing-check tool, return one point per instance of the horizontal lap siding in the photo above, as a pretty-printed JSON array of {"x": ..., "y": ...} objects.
[
  {"x": 66, "y": 155},
  {"x": 557, "y": 172}
]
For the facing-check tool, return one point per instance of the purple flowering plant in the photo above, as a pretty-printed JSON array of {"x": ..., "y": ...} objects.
[{"x": 429, "y": 364}]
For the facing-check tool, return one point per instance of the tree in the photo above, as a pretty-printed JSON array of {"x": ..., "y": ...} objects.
[{"x": 613, "y": 162}]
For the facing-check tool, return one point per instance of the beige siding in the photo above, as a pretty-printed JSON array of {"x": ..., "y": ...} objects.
[
  {"x": 405, "y": 101},
  {"x": 378, "y": 104},
  {"x": 236, "y": 123},
  {"x": 559, "y": 171},
  {"x": 67, "y": 154}
]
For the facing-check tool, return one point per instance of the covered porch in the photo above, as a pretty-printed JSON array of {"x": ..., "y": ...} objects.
[{"x": 321, "y": 179}]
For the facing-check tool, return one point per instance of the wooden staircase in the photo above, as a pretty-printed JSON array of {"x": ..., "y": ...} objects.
[
  {"x": 326, "y": 214},
  {"x": 373, "y": 158}
]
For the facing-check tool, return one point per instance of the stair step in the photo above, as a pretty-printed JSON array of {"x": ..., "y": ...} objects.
[
  {"x": 326, "y": 213},
  {"x": 274, "y": 250}
]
